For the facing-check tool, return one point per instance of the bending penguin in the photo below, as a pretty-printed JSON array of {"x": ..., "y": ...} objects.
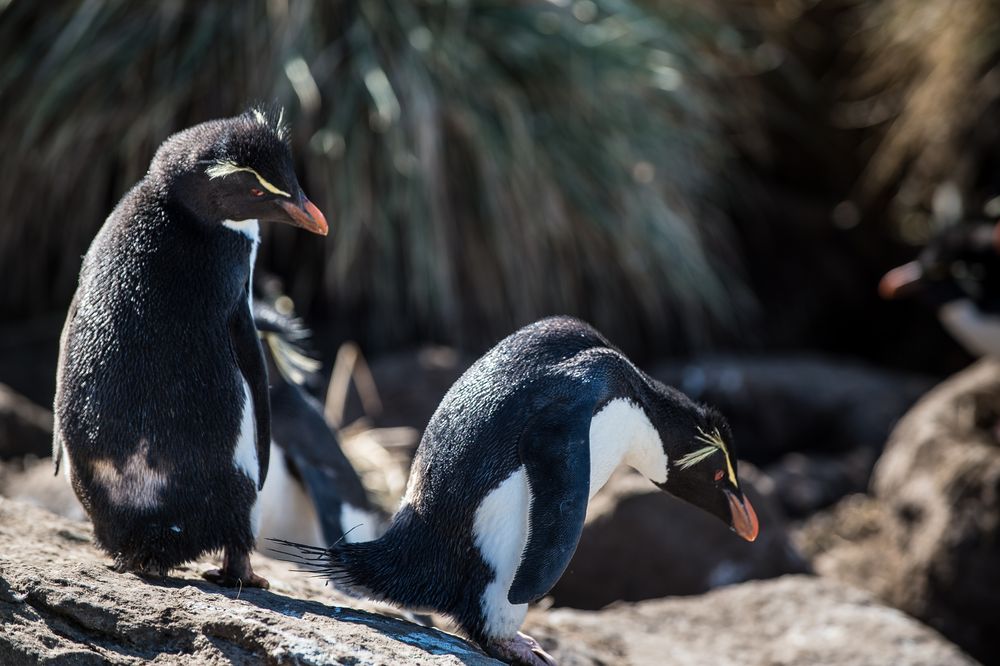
[
  {"x": 312, "y": 493},
  {"x": 501, "y": 480},
  {"x": 958, "y": 276},
  {"x": 161, "y": 401}
]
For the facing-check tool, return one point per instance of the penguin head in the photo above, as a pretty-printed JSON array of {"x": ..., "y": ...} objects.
[
  {"x": 236, "y": 169},
  {"x": 702, "y": 464},
  {"x": 961, "y": 262}
]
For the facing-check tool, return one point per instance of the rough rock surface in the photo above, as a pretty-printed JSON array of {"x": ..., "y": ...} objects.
[
  {"x": 789, "y": 621},
  {"x": 640, "y": 543},
  {"x": 60, "y": 603},
  {"x": 25, "y": 428},
  {"x": 928, "y": 540}
]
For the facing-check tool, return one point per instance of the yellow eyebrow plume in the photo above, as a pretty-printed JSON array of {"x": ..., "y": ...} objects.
[
  {"x": 714, "y": 441},
  {"x": 220, "y": 169}
]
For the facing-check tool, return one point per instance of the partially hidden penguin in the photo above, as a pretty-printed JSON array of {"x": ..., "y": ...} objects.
[
  {"x": 957, "y": 275},
  {"x": 161, "y": 409},
  {"x": 312, "y": 493},
  {"x": 499, "y": 487}
]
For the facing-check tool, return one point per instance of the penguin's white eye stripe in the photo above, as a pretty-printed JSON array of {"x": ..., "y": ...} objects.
[{"x": 220, "y": 169}]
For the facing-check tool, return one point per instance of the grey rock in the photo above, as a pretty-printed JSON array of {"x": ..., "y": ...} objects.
[
  {"x": 61, "y": 603},
  {"x": 927, "y": 540},
  {"x": 788, "y": 621}
]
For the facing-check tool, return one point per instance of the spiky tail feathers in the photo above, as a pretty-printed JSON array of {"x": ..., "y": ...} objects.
[{"x": 356, "y": 569}]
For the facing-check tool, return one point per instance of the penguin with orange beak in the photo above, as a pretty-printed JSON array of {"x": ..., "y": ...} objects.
[
  {"x": 500, "y": 484},
  {"x": 958, "y": 276},
  {"x": 162, "y": 413}
]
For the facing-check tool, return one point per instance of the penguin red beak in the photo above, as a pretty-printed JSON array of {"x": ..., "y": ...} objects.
[
  {"x": 900, "y": 281},
  {"x": 744, "y": 518},
  {"x": 307, "y": 216}
]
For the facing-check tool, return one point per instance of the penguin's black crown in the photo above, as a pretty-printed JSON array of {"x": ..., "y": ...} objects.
[{"x": 235, "y": 169}]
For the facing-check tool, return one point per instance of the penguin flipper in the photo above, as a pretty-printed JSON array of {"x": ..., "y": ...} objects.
[
  {"x": 250, "y": 358},
  {"x": 57, "y": 443},
  {"x": 321, "y": 488},
  {"x": 555, "y": 450}
]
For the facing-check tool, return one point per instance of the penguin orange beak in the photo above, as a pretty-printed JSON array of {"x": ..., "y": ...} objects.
[
  {"x": 307, "y": 216},
  {"x": 900, "y": 281},
  {"x": 744, "y": 518}
]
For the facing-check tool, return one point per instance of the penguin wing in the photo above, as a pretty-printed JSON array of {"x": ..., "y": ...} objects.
[
  {"x": 57, "y": 443},
  {"x": 555, "y": 450},
  {"x": 321, "y": 487},
  {"x": 250, "y": 358}
]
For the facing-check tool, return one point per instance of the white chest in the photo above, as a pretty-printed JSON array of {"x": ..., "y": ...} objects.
[
  {"x": 978, "y": 332},
  {"x": 621, "y": 431}
]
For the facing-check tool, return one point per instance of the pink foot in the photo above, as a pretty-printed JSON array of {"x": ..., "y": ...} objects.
[{"x": 521, "y": 649}]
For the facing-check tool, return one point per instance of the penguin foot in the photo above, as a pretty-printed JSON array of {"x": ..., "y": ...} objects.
[
  {"x": 521, "y": 649},
  {"x": 236, "y": 572},
  {"x": 224, "y": 579}
]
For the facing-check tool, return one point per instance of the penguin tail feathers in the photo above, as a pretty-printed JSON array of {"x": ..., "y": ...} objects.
[{"x": 354, "y": 568}]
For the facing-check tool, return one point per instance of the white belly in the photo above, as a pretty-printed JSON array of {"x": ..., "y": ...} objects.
[
  {"x": 501, "y": 532},
  {"x": 286, "y": 512},
  {"x": 978, "y": 332},
  {"x": 245, "y": 453}
]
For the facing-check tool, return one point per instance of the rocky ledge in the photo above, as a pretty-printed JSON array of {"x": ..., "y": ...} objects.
[{"x": 60, "y": 603}]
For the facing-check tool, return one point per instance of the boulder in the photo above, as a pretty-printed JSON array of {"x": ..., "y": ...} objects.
[
  {"x": 641, "y": 543},
  {"x": 928, "y": 539},
  {"x": 790, "y": 620},
  {"x": 25, "y": 428}
]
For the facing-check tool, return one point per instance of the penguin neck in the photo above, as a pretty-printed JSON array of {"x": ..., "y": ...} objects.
[{"x": 622, "y": 432}]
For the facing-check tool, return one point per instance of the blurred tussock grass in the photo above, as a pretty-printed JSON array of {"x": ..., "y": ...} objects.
[{"x": 484, "y": 163}]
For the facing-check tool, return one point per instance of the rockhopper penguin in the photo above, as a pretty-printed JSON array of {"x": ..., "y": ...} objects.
[
  {"x": 957, "y": 275},
  {"x": 162, "y": 399},
  {"x": 312, "y": 493},
  {"x": 501, "y": 480}
]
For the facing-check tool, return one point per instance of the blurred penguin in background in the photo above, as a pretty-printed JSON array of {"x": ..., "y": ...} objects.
[{"x": 312, "y": 493}]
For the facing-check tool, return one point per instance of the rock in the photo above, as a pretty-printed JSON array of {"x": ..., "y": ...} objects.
[
  {"x": 60, "y": 603},
  {"x": 641, "y": 543},
  {"x": 35, "y": 482},
  {"x": 25, "y": 428},
  {"x": 791, "y": 620},
  {"x": 928, "y": 540},
  {"x": 807, "y": 482}
]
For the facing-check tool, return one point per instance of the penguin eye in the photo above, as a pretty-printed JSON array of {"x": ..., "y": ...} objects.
[
  {"x": 718, "y": 475},
  {"x": 254, "y": 192}
]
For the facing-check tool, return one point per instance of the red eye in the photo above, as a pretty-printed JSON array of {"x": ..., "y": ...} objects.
[
  {"x": 718, "y": 475},
  {"x": 254, "y": 192}
]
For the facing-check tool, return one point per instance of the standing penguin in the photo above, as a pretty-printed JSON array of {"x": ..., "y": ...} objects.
[
  {"x": 312, "y": 492},
  {"x": 958, "y": 276},
  {"x": 162, "y": 400},
  {"x": 500, "y": 484}
]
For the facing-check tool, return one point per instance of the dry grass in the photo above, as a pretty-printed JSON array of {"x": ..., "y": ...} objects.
[{"x": 930, "y": 82}]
